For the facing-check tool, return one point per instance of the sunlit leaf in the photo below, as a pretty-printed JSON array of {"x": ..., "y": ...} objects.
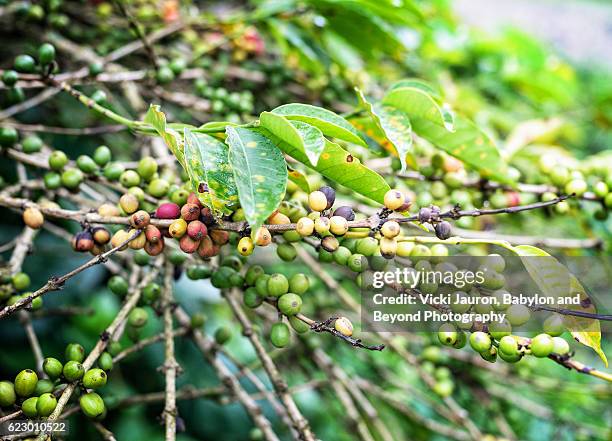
[{"x": 171, "y": 137}]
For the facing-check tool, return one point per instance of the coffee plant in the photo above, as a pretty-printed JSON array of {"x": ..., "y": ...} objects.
[{"x": 195, "y": 196}]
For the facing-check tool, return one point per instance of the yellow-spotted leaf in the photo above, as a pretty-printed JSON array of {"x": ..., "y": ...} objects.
[
  {"x": 297, "y": 133},
  {"x": 260, "y": 173},
  {"x": 394, "y": 125},
  {"x": 211, "y": 176},
  {"x": 298, "y": 179},
  {"x": 417, "y": 103},
  {"x": 171, "y": 137},
  {"x": 328, "y": 122},
  {"x": 467, "y": 143},
  {"x": 555, "y": 280}
]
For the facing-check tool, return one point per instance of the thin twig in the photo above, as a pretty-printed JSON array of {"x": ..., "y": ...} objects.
[{"x": 170, "y": 366}]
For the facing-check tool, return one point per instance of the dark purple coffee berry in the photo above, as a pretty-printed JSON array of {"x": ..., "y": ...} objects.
[
  {"x": 424, "y": 215},
  {"x": 443, "y": 230},
  {"x": 330, "y": 195},
  {"x": 346, "y": 212}
]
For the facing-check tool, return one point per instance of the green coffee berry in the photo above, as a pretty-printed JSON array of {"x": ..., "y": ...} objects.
[
  {"x": 113, "y": 170},
  {"x": 222, "y": 335},
  {"x": 286, "y": 252},
  {"x": 118, "y": 285},
  {"x": 261, "y": 285},
  {"x": 24, "y": 64},
  {"x": 94, "y": 378},
  {"x": 480, "y": 341},
  {"x": 43, "y": 386},
  {"x": 508, "y": 345},
  {"x": 72, "y": 178},
  {"x": 45, "y": 405},
  {"x": 52, "y": 180},
  {"x": 58, "y": 160},
  {"x": 138, "y": 317},
  {"x": 129, "y": 178},
  {"x": 518, "y": 315},
  {"x": 25, "y": 382},
  {"x": 298, "y": 325},
  {"x": 553, "y": 325},
  {"x": 498, "y": 330},
  {"x": 75, "y": 351},
  {"x": 560, "y": 346},
  {"x": 277, "y": 285},
  {"x": 289, "y": 304},
  {"x": 73, "y": 370},
  {"x": 542, "y": 345},
  {"x": 46, "y": 53},
  {"x": 447, "y": 334},
  {"x": 20, "y": 281},
  {"x": 252, "y": 274},
  {"x": 7, "y": 394},
  {"x": 105, "y": 361},
  {"x": 299, "y": 283},
  {"x": 357, "y": 263},
  {"x": 280, "y": 334},
  {"x": 28, "y": 407},
  {"x": 102, "y": 155},
  {"x": 222, "y": 277},
  {"x": 52, "y": 367},
  {"x": 251, "y": 298},
  {"x": 158, "y": 188},
  {"x": 32, "y": 144},
  {"x": 92, "y": 405},
  {"x": 147, "y": 167},
  {"x": 10, "y": 78}
]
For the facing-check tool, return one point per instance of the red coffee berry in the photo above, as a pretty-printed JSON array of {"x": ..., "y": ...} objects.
[
  {"x": 196, "y": 230},
  {"x": 190, "y": 212},
  {"x": 154, "y": 248},
  {"x": 83, "y": 241},
  {"x": 193, "y": 199},
  {"x": 188, "y": 245},
  {"x": 206, "y": 216},
  {"x": 206, "y": 248},
  {"x": 219, "y": 237},
  {"x": 168, "y": 210},
  {"x": 153, "y": 234},
  {"x": 140, "y": 219}
]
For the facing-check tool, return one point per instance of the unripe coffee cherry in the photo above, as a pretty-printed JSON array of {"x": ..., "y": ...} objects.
[
  {"x": 390, "y": 229},
  {"x": 277, "y": 285},
  {"x": 280, "y": 334},
  {"x": 28, "y": 407},
  {"x": 394, "y": 199},
  {"x": 43, "y": 386},
  {"x": 57, "y": 160},
  {"x": 542, "y": 345},
  {"x": 188, "y": 245},
  {"x": 289, "y": 304},
  {"x": 178, "y": 228},
  {"x": 33, "y": 218},
  {"x": 317, "y": 201},
  {"x": 388, "y": 247},
  {"x": 404, "y": 249},
  {"x": 140, "y": 219},
  {"x": 168, "y": 210},
  {"x": 245, "y": 246},
  {"x": 560, "y": 346},
  {"x": 263, "y": 238},
  {"x": 100, "y": 235},
  {"x": 508, "y": 345},
  {"x": 94, "y": 378},
  {"x": 74, "y": 351},
  {"x": 346, "y": 212},
  {"x": 20, "y": 281},
  {"x": 25, "y": 382},
  {"x": 251, "y": 298},
  {"x": 190, "y": 212},
  {"x": 443, "y": 230},
  {"x": 138, "y": 317},
  {"x": 219, "y": 237},
  {"x": 105, "y": 361},
  {"x": 299, "y": 283},
  {"x": 286, "y": 252},
  {"x": 128, "y": 203},
  {"x": 305, "y": 226},
  {"x": 83, "y": 242},
  {"x": 45, "y": 405},
  {"x": 447, "y": 334},
  {"x": 73, "y": 370},
  {"x": 196, "y": 230},
  {"x": 357, "y": 263},
  {"x": 518, "y": 315},
  {"x": 480, "y": 341},
  {"x": 344, "y": 326},
  {"x": 108, "y": 210},
  {"x": 330, "y": 195},
  {"x": 330, "y": 244},
  {"x": 322, "y": 225},
  {"x": 92, "y": 405},
  {"x": 278, "y": 218},
  {"x": 222, "y": 335},
  {"x": 52, "y": 367},
  {"x": 7, "y": 394},
  {"x": 576, "y": 186},
  {"x": 138, "y": 242},
  {"x": 338, "y": 225}
]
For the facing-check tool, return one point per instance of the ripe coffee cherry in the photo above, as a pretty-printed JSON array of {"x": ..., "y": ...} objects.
[
  {"x": 251, "y": 298},
  {"x": 394, "y": 199},
  {"x": 338, "y": 225},
  {"x": 92, "y": 405},
  {"x": 196, "y": 230},
  {"x": 245, "y": 246},
  {"x": 153, "y": 234},
  {"x": 168, "y": 210},
  {"x": 140, "y": 219},
  {"x": 207, "y": 249},
  {"x": 390, "y": 229},
  {"x": 28, "y": 407},
  {"x": 322, "y": 225},
  {"x": 330, "y": 195},
  {"x": 560, "y": 346},
  {"x": 52, "y": 367},
  {"x": 286, "y": 252},
  {"x": 280, "y": 334},
  {"x": 317, "y": 201},
  {"x": 289, "y": 304},
  {"x": 207, "y": 216},
  {"x": 480, "y": 341},
  {"x": 138, "y": 317},
  {"x": 305, "y": 226},
  {"x": 100, "y": 235},
  {"x": 263, "y": 238},
  {"x": 83, "y": 242},
  {"x": 425, "y": 215},
  {"x": 447, "y": 334},
  {"x": 344, "y": 326},
  {"x": 219, "y": 237},
  {"x": 94, "y": 378},
  {"x": 45, "y": 405},
  {"x": 542, "y": 345},
  {"x": 118, "y": 285},
  {"x": 25, "y": 382},
  {"x": 74, "y": 351},
  {"x": 508, "y": 345},
  {"x": 190, "y": 212},
  {"x": 330, "y": 244},
  {"x": 178, "y": 228},
  {"x": 277, "y": 285},
  {"x": 33, "y": 218},
  {"x": 128, "y": 203},
  {"x": 222, "y": 335},
  {"x": 7, "y": 394},
  {"x": 299, "y": 283},
  {"x": 189, "y": 245},
  {"x": 443, "y": 230},
  {"x": 345, "y": 212},
  {"x": 388, "y": 247}
]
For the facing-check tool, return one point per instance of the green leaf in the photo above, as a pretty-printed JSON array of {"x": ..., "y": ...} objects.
[
  {"x": 418, "y": 104},
  {"x": 260, "y": 173},
  {"x": 417, "y": 84},
  {"x": 297, "y": 133},
  {"x": 555, "y": 280},
  {"x": 340, "y": 166},
  {"x": 171, "y": 137},
  {"x": 467, "y": 143},
  {"x": 208, "y": 167},
  {"x": 341, "y": 52},
  {"x": 325, "y": 120},
  {"x": 394, "y": 124},
  {"x": 298, "y": 179}
]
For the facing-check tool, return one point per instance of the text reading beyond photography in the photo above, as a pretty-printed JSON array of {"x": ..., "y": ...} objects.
[{"x": 437, "y": 316}]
